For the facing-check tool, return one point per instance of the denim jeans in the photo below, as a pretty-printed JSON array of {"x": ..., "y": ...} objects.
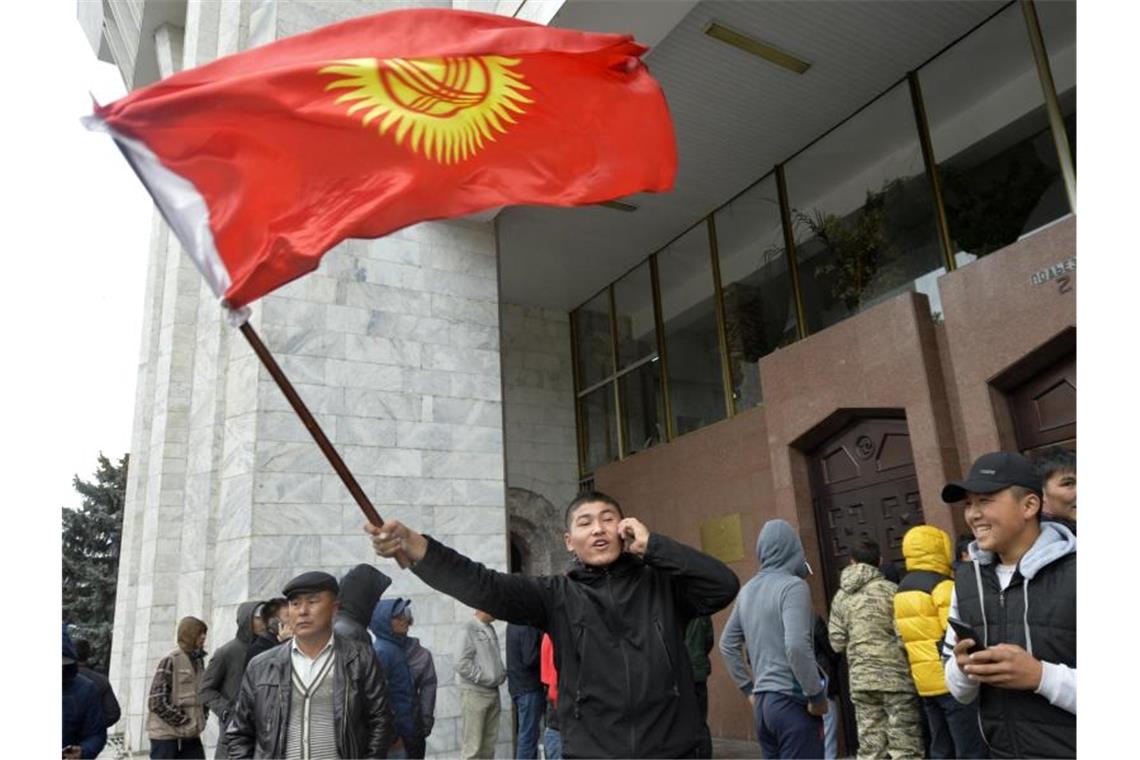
[
  {"x": 552, "y": 744},
  {"x": 529, "y": 707}
]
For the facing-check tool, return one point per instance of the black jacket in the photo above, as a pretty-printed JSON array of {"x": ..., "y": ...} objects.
[
  {"x": 222, "y": 679},
  {"x": 260, "y": 719},
  {"x": 524, "y": 646},
  {"x": 360, "y": 590},
  {"x": 625, "y": 684},
  {"x": 111, "y": 710},
  {"x": 1038, "y": 612}
]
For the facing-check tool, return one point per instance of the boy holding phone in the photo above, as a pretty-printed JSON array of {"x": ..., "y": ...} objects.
[{"x": 1019, "y": 595}]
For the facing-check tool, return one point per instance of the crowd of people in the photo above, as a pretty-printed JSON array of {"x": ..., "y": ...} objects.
[{"x": 969, "y": 653}]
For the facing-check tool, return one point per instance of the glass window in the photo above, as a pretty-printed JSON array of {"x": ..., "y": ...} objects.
[
  {"x": 599, "y": 427},
  {"x": 991, "y": 138},
  {"x": 595, "y": 343},
  {"x": 759, "y": 306},
  {"x": 1058, "y": 21},
  {"x": 636, "y": 325},
  {"x": 863, "y": 213},
  {"x": 688, "y": 311},
  {"x": 642, "y": 406}
]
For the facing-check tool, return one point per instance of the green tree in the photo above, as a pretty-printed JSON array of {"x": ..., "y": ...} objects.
[{"x": 91, "y": 536}]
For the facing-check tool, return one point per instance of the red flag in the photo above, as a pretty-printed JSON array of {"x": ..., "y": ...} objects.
[{"x": 263, "y": 161}]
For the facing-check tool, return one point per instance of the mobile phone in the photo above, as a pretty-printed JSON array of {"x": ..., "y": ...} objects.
[{"x": 966, "y": 632}]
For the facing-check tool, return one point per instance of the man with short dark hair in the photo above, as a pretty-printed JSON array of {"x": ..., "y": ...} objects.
[
  {"x": 1057, "y": 468},
  {"x": 274, "y": 616},
  {"x": 317, "y": 697},
  {"x": 617, "y": 620},
  {"x": 222, "y": 679},
  {"x": 862, "y": 625},
  {"x": 1019, "y": 595}
]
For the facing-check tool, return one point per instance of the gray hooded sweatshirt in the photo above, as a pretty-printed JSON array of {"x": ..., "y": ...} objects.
[{"x": 773, "y": 618}]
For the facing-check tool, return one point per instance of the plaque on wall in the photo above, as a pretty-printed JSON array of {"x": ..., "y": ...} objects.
[{"x": 721, "y": 537}]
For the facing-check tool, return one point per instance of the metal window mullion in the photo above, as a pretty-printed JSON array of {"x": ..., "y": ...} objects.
[
  {"x": 790, "y": 250},
  {"x": 1052, "y": 104},
  {"x": 721, "y": 325},
  {"x": 931, "y": 165},
  {"x": 577, "y": 398},
  {"x": 617, "y": 385},
  {"x": 659, "y": 324}
]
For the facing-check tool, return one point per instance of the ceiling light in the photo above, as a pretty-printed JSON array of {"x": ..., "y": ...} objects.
[
  {"x": 756, "y": 47},
  {"x": 618, "y": 205}
]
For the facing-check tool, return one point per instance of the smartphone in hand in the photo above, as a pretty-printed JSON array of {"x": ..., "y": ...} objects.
[{"x": 964, "y": 631}]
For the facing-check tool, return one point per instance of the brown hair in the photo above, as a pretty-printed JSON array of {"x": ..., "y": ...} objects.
[{"x": 189, "y": 629}]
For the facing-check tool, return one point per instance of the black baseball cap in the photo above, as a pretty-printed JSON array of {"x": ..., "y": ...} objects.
[
  {"x": 311, "y": 582},
  {"x": 994, "y": 472}
]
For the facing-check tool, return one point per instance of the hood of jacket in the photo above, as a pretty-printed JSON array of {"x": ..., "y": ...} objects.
[
  {"x": 70, "y": 666},
  {"x": 360, "y": 590},
  {"x": 381, "y": 623},
  {"x": 928, "y": 548},
  {"x": 855, "y": 577},
  {"x": 189, "y": 629},
  {"x": 779, "y": 549},
  {"x": 245, "y": 614},
  {"x": 1054, "y": 542}
]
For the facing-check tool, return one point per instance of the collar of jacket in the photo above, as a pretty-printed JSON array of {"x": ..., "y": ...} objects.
[{"x": 625, "y": 564}]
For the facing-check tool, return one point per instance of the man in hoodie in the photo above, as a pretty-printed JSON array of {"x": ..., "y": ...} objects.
[
  {"x": 479, "y": 670},
  {"x": 922, "y": 606},
  {"x": 862, "y": 624},
  {"x": 389, "y": 647},
  {"x": 772, "y": 619},
  {"x": 223, "y": 675},
  {"x": 360, "y": 592},
  {"x": 84, "y": 727},
  {"x": 422, "y": 667},
  {"x": 176, "y": 714},
  {"x": 617, "y": 620},
  {"x": 1019, "y": 594}
]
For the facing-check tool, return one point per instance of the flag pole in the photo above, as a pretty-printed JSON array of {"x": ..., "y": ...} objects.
[{"x": 311, "y": 424}]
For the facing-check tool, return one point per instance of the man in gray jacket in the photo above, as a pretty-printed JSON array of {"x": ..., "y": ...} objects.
[
  {"x": 773, "y": 618},
  {"x": 480, "y": 670},
  {"x": 222, "y": 680}
]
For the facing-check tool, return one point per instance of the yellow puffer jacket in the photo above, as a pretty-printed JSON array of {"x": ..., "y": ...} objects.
[{"x": 922, "y": 604}]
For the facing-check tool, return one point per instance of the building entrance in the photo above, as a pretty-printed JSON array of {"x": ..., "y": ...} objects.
[{"x": 1044, "y": 408}]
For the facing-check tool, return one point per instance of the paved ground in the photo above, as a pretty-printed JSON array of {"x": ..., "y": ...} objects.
[{"x": 735, "y": 749}]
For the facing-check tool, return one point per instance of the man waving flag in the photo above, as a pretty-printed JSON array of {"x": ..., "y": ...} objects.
[{"x": 263, "y": 161}]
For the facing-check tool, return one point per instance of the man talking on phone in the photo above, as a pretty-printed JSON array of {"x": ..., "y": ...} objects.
[
  {"x": 617, "y": 620},
  {"x": 1019, "y": 595}
]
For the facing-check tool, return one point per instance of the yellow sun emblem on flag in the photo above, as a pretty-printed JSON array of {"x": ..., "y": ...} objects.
[{"x": 446, "y": 107}]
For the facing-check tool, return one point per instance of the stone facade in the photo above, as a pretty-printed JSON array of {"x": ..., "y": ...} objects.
[{"x": 393, "y": 344}]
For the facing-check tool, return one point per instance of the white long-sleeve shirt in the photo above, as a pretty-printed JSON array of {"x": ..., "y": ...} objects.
[{"x": 1058, "y": 681}]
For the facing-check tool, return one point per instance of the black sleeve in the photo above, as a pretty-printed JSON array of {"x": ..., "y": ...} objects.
[
  {"x": 513, "y": 598},
  {"x": 241, "y": 737},
  {"x": 703, "y": 584},
  {"x": 211, "y": 689},
  {"x": 381, "y": 722},
  {"x": 531, "y": 650},
  {"x": 111, "y": 710}
]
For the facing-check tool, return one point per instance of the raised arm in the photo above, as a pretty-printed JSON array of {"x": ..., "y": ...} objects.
[
  {"x": 513, "y": 598},
  {"x": 704, "y": 584}
]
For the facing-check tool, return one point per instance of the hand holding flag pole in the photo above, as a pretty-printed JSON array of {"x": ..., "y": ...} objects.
[{"x": 262, "y": 161}]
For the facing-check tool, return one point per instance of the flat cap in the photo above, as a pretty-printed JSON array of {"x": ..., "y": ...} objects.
[{"x": 311, "y": 582}]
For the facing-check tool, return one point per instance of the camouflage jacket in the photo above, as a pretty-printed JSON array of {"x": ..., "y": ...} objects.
[{"x": 863, "y": 626}]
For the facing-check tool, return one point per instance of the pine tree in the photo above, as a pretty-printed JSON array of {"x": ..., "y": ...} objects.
[{"x": 91, "y": 536}]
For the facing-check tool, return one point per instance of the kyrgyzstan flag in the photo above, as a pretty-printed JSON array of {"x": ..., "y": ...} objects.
[{"x": 263, "y": 161}]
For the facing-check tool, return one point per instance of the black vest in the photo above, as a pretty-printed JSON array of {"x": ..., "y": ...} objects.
[{"x": 1019, "y": 723}]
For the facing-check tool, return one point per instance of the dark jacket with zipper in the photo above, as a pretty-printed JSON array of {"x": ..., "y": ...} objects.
[
  {"x": 222, "y": 678},
  {"x": 1038, "y": 612},
  {"x": 260, "y": 718},
  {"x": 625, "y": 683}
]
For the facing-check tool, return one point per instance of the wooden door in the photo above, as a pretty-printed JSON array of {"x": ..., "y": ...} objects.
[{"x": 1045, "y": 407}]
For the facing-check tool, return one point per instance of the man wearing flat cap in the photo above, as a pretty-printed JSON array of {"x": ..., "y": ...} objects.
[{"x": 319, "y": 696}]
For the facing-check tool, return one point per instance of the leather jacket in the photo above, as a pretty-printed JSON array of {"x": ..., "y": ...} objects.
[{"x": 260, "y": 718}]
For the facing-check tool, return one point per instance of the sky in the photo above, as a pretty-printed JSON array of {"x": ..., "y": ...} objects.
[{"x": 72, "y": 309}]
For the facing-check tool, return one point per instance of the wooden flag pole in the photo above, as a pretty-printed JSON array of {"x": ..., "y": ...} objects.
[{"x": 311, "y": 425}]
